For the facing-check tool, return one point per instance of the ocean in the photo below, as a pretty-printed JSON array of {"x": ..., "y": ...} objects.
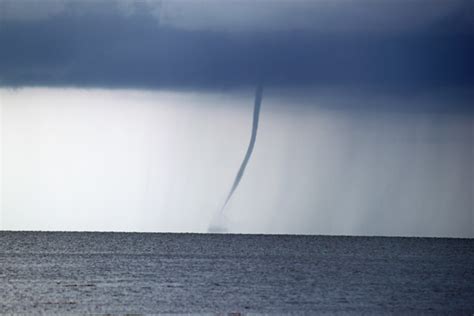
[{"x": 120, "y": 273}]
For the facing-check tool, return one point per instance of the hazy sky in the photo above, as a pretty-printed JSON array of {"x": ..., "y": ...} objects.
[{"x": 135, "y": 115}]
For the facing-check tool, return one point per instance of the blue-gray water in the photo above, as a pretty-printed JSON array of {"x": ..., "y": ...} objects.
[{"x": 149, "y": 273}]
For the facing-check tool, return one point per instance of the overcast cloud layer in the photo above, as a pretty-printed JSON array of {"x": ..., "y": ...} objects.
[{"x": 402, "y": 46}]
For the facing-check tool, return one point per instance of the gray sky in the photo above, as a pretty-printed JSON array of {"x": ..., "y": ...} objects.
[
  {"x": 400, "y": 46},
  {"x": 135, "y": 115}
]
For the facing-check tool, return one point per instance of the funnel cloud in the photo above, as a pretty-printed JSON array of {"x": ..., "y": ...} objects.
[
  {"x": 253, "y": 138},
  {"x": 219, "y": 221}
]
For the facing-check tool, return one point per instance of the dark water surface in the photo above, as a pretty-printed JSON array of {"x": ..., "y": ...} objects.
[{"x": 149, "y": 273}]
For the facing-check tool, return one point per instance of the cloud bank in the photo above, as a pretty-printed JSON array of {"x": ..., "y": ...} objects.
[{"x": 401, "y": 46}]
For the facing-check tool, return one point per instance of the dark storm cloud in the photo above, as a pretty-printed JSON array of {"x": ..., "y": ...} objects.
[{"x": 99, "y": 46}]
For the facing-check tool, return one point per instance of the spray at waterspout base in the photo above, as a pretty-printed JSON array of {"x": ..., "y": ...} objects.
[{"x": 218, "y": 224}]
